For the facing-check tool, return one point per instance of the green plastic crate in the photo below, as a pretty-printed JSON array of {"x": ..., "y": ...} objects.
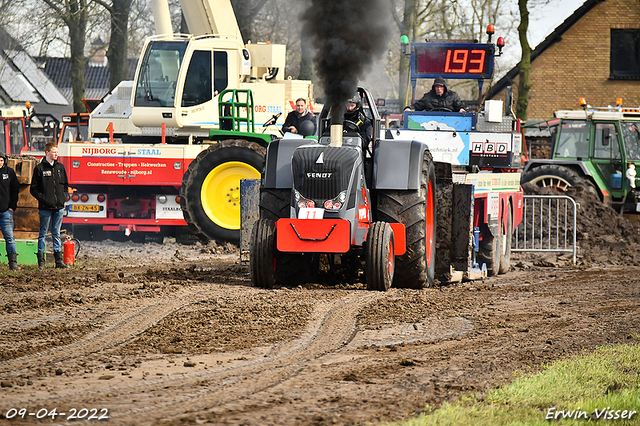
[{"x": 26, "y": 250}]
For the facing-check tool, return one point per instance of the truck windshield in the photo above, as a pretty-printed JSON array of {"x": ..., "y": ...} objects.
[
  {"x": 70, "y": 133},
  {"x": 16, "y": 135},
  {"x": 631, "y": 134},
  {"x": 157, "y": 81},
  {"x": 573, "y": 140}
]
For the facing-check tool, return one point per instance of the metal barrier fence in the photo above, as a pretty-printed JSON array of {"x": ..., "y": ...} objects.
[{"x": 548, "y": 224}]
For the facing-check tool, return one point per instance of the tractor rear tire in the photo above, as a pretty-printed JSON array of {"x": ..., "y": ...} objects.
[
  {"x": 379, "y": 262},
  {"x": 210, "y": 191},
  {"x": 416, "y": 209},
  {"x": 275, "y": 203},
  {"x": 291, "y": 268},
  {"x": 558, "y": 177},
  {"x": 505, "y": 253},
  {"x": 262, "y": 254}
]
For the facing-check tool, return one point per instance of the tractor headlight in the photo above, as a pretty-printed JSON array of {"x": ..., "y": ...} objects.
[
  {"x": 336, "y": 203},
  {"x": 302, "y": 202}
]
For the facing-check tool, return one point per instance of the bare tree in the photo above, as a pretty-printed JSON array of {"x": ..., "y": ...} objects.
[
  {"x": 408, "y": 26},
  {"x": 445, "y": 20},
  {"x": 117, "y": 53},
  {"x": 419, "y": 18},
  {"x": 141, "y": 24},
  {"x": 279, "y": 22},
  {"x": 18, "y": 18},
  {"x": 246, "y": 12},
  {"x": 524, "y": 67},
  {"x": 8, "y": 9},
  {"x": 74, "y": 15}
]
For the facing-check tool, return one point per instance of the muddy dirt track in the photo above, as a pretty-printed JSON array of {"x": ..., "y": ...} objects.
[{"x": 150, "y": 334}]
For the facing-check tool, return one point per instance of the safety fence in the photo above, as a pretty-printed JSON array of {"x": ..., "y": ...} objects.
[{"x": 548, "y": 225}]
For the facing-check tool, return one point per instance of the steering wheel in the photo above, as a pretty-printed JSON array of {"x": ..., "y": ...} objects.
[
  {"x": 350, "y": 126},
  {"x": 442, "y": 109},
  {"x": 272, "y": 120}
]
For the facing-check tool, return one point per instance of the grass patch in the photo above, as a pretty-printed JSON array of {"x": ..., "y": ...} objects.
[{"x": 604, "y": 383}]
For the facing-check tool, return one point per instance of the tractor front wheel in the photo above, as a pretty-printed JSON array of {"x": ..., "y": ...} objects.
[
  {"x": 379, "y": 262},
  {"x": 262, "y": 253}
]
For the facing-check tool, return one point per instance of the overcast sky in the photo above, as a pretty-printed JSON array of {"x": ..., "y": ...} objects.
[{"x": 544, "y": 19}]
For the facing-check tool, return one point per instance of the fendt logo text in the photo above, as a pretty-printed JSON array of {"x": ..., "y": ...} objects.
[
  {"x": 99, "y": 151},
  {"x": 319, "y": 175}
]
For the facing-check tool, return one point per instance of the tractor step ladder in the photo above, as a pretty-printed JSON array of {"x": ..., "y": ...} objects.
[{"x": 235, "y": 108}]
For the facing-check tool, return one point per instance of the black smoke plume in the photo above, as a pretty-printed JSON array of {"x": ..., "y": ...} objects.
[{"x": 348, "y": 36}]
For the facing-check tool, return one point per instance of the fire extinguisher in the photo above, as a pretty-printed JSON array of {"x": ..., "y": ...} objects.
[{"x": 69, "y": 251}]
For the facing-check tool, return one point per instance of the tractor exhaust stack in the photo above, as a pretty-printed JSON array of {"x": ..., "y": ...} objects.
[{"x": 336, "y": 135}]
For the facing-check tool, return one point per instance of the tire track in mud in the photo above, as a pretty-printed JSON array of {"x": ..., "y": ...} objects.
[
  {"x": 332, "y": 326},
  {"x": 123, "y": 327}
]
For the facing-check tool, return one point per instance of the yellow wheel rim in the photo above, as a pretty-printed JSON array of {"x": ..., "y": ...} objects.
[{"x": 220, "y": 194}]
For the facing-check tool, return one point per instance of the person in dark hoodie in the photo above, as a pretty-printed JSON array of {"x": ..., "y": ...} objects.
[
  {"x": 439, "y": 98},
  {"x": 50, "y": 187},
  {"x": 9, "y": 190}
]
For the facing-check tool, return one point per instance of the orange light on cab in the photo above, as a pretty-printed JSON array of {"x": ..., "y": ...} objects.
[
  {"x": 583, "y": 102},
  {"x": 490, "y": 29},
  {"x": 619, "y": 102}
]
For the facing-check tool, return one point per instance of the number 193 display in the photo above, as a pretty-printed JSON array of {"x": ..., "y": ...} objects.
[{"x": 453, "y": 60}]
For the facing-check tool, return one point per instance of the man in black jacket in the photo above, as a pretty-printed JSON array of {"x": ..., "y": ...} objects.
[
  {"x": 50, "y": 187},
  {"x": 293, "y": 122},
  {"x": 439, "y": 98},
  {"x": 9, "y": 190}
]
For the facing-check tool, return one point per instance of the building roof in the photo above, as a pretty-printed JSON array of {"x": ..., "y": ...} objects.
[
  {"x": 45, "y": 81},
  {"x": 96, "y": 77},
  {"x": 555, "y": 36},
  {"x": 21, "y": 80}
]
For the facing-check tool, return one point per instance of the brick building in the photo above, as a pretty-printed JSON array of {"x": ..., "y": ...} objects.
[{"x": 595, "y": 54}]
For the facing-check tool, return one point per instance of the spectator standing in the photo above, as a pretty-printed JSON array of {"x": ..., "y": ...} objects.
[
  {"x": 9, "y": 190},
  {"x": 50, "y": 187}
]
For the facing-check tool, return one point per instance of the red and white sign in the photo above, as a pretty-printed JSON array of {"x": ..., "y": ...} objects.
[
  {"x": 490, "y": 144},
  {"x": 125, "y": 164}
]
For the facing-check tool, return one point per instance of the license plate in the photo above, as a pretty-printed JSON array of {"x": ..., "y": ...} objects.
[{"x": 84, "y": 208}]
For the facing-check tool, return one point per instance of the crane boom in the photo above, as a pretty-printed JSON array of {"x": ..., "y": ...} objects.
[
  {"x": 201, "y": 19},
  {"x": 162, "y": 17}
]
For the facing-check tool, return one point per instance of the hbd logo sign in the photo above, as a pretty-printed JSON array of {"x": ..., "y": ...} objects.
[{"x": 489, "y": 148}]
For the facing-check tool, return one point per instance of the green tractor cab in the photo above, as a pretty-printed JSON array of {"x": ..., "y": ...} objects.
[{"x": 595, "y": 148}]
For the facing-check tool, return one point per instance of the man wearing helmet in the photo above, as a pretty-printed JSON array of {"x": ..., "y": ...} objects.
[
  {"x": 295, "y": 119},
  {"x": 439, "y": 98},
  {"x": 354, "y": 117}
]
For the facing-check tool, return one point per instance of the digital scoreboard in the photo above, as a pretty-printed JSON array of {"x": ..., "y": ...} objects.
[{"x": 452, "y": 60}]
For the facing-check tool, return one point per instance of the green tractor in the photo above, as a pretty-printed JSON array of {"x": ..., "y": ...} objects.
[{"x": 595, "y": 148}]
